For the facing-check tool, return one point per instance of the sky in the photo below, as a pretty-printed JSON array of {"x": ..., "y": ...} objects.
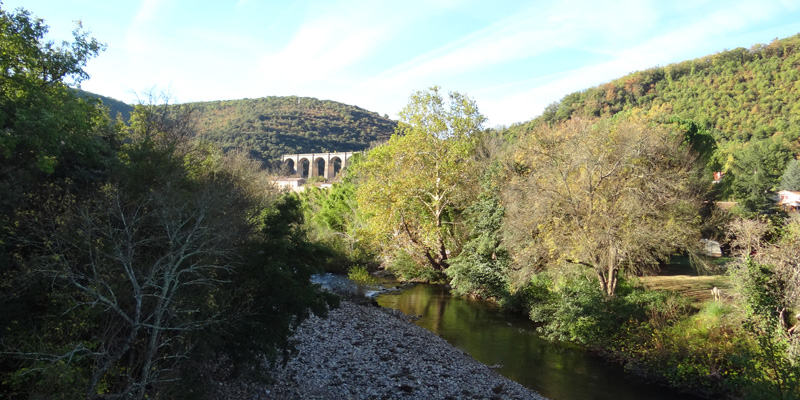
[{"x": 513, "y": 57}]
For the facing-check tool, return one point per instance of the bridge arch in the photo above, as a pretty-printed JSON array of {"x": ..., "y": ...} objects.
[
  {"x": 305, "y": 168},
  {"x": 319, "y": 167},
  {"x": 289, "y": 167},
  {"x": 335, "y": 166}
]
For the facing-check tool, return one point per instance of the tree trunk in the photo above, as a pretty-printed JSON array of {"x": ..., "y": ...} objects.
[
  {"x": 612, "y": 280},
  {"x": 608, "y": 280},
  {"x": 602, "y": 279}
]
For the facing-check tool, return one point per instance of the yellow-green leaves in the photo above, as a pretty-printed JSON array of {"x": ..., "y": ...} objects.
[
  {"x": 610, "y": 194},
  {"x": 414, "y": 186}
]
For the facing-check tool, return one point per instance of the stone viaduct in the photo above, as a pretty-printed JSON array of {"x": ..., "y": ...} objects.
[{"x": 327, "y": 165}]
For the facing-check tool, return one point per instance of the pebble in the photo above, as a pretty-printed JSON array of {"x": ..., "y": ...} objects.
[{"x": 362, "y": 351}]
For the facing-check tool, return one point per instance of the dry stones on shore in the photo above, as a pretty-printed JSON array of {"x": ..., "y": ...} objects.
[{"x": 367, "y": 352}]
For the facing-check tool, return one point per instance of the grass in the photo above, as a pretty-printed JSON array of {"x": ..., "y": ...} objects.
[
  {"x": 696, "y": 288},
  {"x": 681, "y": 277}
]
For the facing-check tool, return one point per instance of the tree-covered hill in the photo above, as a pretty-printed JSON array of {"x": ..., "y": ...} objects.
[
  {"x": 739, "y": 95},
  {"x": 272, "y": 126},
  {"x": 115, "y": 107}
]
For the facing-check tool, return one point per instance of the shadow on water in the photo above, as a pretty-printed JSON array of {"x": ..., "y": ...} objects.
[{"x": 493, "y": 337}]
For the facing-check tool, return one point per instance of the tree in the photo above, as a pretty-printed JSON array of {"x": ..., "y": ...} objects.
[
  {"x": 790, "y": 180},
  {"x": 756, "y": 171},
  {"x": 413, "y": 187},
  {"x": 46, "y": 128},
  {"x": 611, "y": 195},
  {"x": 482, "y": 267},
  {"x": 767, "y": 286},
  {"x": 176, "y": 253}
]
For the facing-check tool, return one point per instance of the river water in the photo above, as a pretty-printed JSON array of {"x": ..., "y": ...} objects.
[{"x": 509, "y": 342}]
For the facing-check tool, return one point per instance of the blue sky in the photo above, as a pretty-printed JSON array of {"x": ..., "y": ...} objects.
[{"x": 513, "y": 57}]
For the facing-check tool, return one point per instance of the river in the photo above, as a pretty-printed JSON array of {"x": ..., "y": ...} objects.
[{"x": 509, "y": 342}]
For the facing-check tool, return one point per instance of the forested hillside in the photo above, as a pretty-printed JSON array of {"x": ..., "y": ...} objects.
[
  {"x": 115, "y": 107},
  {"x": 738, "y": 95},
  {"x": 271, "y": 126}
]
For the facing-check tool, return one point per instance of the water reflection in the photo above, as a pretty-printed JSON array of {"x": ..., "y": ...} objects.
[{"x": 493, "y": 337}]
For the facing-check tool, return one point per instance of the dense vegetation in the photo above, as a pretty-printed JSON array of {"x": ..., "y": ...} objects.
[
  {"x": 748, "y": 99},
  {"x": 130, "y": 252},
  {"x": 115, "y": 107},
  {"x": 269, "y": 127},
  {"x": 131, "y": 255},
  {"x": 559, "y": 222}
]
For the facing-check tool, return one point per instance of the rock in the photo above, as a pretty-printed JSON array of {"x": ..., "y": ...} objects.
[{"x": 366, "y": 352}]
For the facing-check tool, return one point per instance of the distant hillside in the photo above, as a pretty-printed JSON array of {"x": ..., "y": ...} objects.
[
  {"x": 115, "y": 106},
  {"x": 739, "y": 95},
  {"x": 272, "y": 126}
]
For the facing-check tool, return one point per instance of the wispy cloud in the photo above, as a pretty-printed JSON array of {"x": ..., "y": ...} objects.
[
  {"x": 340, "y": 36},
  {"x": 618, "y": 31},
  {"x": 685, "y": 41},
  {"x": 531, "y": 33}
]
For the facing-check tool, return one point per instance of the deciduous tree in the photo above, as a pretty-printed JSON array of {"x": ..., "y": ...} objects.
[
  {"x": 413, "y": 187},
  {"x": 612, "y": 195}
]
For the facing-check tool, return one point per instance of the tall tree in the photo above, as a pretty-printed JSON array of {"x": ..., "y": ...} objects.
[
  {"x": 756, "y": 170},
  {"x": 42, "y": 120},
  {"x": 482, "y": 267},
  {"x": 182, "y": 249},
  {"x": 612, "y": 195},
  {"x": 413, "y": 187},
  {"x": 790, "y": 180}
]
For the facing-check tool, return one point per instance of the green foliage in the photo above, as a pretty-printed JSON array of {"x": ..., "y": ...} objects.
[
  {"x": 123, "y": 264},
  {"x": 407, "y": 268},
  {"x": 790, "y": 180},
  {"x": 412, "y": 189},
  {"x": 617, "y": 195},
  {"x": 333, "y": 220},
  {"x": 738, "y": 95},
  {"x": 481, "y": 269},
  {"x": 274, "y": 287},
  {"x": 652, "y": 332},
  {"x": 774, "y": 367},
  {"x": 360, "y": 275},
  {"x": 115, "y": 107},
  {"x": 756, "y": 170},
  {"x": 572, "y": 308},
  {"x": 269, "y": 127},
  {"x": 705, "y": 352},
  {"x": 48, "y": 133}
]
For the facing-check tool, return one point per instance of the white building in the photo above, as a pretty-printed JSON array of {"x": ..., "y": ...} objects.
[
  {"x": 789, "y": 200},
  {"x": 293, "y": 184}
]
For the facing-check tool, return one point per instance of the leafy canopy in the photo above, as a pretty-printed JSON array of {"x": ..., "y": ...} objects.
[
  {"x": 413, "y": 187},
  {"x": 611, "y": 195}
]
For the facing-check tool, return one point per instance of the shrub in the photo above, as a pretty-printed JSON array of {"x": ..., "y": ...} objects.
[{"x": 406, "y": 268}]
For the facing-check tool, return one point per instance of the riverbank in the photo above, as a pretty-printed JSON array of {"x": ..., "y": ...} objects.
[{"x": 368, "y": 352}]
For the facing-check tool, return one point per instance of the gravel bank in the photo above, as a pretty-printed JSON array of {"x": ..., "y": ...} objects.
[{"x": 368, "y": 352}]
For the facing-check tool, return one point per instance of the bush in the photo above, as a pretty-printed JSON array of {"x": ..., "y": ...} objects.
[
  {"x": 405, "y": 268},
  {"x": 650, "y": 331},
  {"x": 704, "y": 353}
]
